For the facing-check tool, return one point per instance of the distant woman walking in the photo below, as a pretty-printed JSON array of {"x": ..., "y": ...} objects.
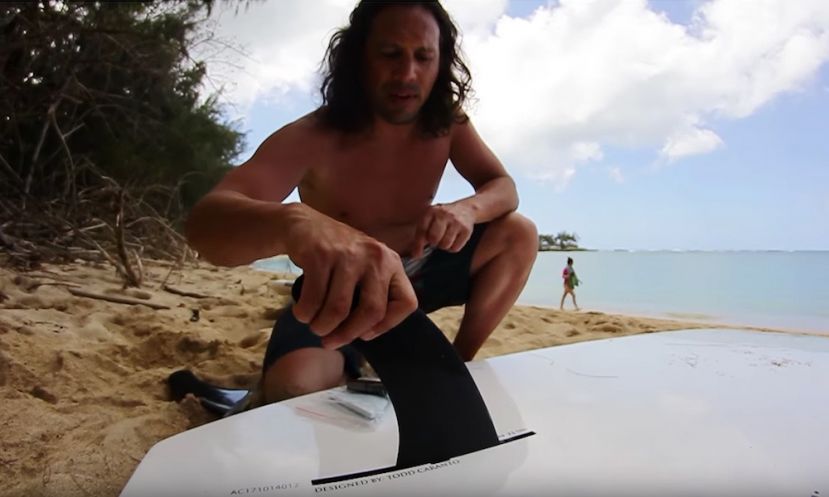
[{"x": 570, "y": 283}]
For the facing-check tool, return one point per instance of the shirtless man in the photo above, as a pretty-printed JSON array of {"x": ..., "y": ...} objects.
[{"x": 367, "y": 164}]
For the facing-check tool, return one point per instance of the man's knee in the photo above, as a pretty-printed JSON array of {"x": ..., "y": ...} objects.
[
  {"x": 301, "y": 372},
  {"x": 520, "y": 233},
  {"x": 513, "y": 235}
]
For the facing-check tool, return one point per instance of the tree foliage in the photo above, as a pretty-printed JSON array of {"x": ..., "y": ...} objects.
[
  {"x": 101, "y": 109},
  {"x": 560, "y": 241}
]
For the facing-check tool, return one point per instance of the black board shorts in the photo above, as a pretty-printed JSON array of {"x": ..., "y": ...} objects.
[{"x": 442, "y": 281}]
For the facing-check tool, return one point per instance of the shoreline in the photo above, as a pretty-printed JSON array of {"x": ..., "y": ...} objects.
[
  {"x": 699, "y": 320},
  {"x": 742, "y": 317},
  {"x": 83, "y": 379}
]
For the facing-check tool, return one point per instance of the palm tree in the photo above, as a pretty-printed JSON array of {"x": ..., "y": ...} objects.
[{"x": 566, "y": 240}]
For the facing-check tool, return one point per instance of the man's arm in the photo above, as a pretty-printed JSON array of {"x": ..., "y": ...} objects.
[
  {"x": 449, "y": 226},
  {"x": 243, "y": 219},
  {"x": 495, "y": 193}
]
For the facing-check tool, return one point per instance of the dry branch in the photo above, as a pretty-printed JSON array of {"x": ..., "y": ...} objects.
[
  {"x": 115, "y": 298},
  {"x": 132, "y": 278},
  {"x": 59, "y": 283},
  {"x": 186, "y": 293},
  {"x": 70, "y": 77}
]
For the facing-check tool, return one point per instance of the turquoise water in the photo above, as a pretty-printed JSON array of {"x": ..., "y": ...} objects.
[
  {"x": 787, "y": 290},
  {"x": 774, "y": 289}
]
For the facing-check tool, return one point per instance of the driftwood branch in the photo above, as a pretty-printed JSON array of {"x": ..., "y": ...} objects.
[
  {"x": 115, "y": 298},
  {"x": 59, "y": 283},
  {"x": 52, "y": 279},
  {"x": 185, "y": 293}
]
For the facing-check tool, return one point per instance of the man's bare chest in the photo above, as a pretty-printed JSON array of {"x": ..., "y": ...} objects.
[{"x": 366, "y": 189}]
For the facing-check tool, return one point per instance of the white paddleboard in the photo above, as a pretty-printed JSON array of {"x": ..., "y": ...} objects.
[{"x": 689, "y": 413}]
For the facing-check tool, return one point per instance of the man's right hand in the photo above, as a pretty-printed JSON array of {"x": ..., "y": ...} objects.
[{"x": 336, "y": 259}]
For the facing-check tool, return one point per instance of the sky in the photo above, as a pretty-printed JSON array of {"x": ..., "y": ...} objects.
[{"x": 637, "y": 124}]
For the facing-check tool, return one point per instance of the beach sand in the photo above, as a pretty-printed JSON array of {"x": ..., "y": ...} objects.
[{"x": 83, "y": 380}]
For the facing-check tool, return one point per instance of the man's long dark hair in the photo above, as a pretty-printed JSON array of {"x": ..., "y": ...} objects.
[{"x": 346, "y": 105}]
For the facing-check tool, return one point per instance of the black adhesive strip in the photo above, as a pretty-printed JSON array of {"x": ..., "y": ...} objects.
[
  {"x": 354, "y": 476},
  {"x": 517, "y": 437},
  {"x": 392, "y": 469}
]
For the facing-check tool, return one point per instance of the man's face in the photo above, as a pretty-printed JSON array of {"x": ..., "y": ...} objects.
[{"x": 402, "y": 59}]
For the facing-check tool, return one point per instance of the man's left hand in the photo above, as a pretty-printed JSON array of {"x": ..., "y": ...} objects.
[{"x": 444, "y": 226}]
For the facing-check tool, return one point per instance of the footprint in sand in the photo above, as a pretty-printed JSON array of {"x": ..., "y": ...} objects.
[
  {"x": 609, "y": 328},
  {"x": 94, "y": 329},
  {"x": 209, "y": 303},
  {"x": 33, "y": 302},
  {"x": 125, "y": 402},
  {"x": 197, "y": 345},
  {"x": 145, "y": 329},
  {"x": 233, "y": 312},
  {"x": 43, "y": 394},
  {"x": 139, "y": 294},
  {"x": 168, "y": 350},
  {"x": 252, "y": 339},
  {"x": 25, "y": 330}
]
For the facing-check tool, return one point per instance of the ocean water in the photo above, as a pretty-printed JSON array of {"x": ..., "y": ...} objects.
[{"x": 787, "y": 290}]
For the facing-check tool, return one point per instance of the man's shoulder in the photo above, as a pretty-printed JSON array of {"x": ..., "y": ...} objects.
[
  {"x": 461, "y": 128},
  {"x": 309, "y": 124},
  {"x": 307, "y": 131}
]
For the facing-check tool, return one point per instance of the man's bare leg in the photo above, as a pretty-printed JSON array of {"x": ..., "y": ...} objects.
[
  {"x": 500, "y": 268},
  {"x": 303, "y": 371},
  {"x": 563, "y": 296}
]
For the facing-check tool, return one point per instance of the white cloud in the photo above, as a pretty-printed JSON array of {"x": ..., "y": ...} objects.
[
  {"x": 692, "y": 141},
  {"x": 586, "y": 151},
  {"x": 578, "y": 76},
  {"x": 616, "y": 175},
  {"x": 476, "y": 17},
  {"x": 615, "y": 73},
  {"x": 283, "y": 43}
]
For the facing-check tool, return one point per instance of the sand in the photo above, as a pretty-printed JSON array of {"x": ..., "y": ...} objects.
[{"x": 82, "y": 380}]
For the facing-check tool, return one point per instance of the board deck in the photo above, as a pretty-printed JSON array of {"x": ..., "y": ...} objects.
[{"x": 690, "y": 413}]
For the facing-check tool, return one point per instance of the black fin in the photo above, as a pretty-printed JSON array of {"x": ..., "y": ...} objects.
[{"x": 440, "y": 412}]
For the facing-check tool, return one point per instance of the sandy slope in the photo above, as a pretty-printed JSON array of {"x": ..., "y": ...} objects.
[{"x": 82, "y": 380}]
